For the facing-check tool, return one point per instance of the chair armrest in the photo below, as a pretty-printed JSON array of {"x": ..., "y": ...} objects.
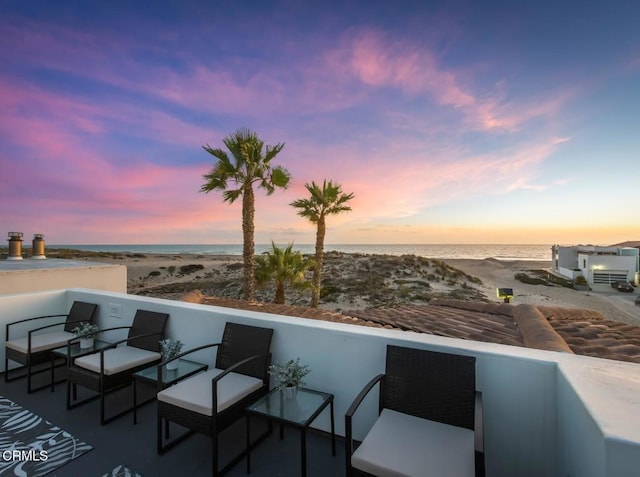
[
  {"x": 362, "y": 394},
  {"x": 126, "y": 340},
  {"x": 29, "y": 319},
  {"x": 184, "y": 353},
  {"x": 479, "y": 436},
  {"x": 348, "y": 426},
  {"x": 231, "y": 369},
  {"x": 35, "y": 318},
  {"x": 193, "y": 350},
  {"x": 54, "y": 324},
  {"x": 75, "y": 339},
  {"x": 51, "y": 326},
  {"x": 111, "y": 329}
]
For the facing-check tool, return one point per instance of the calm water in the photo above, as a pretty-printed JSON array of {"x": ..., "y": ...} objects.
[{"x": 498, "y": 251}]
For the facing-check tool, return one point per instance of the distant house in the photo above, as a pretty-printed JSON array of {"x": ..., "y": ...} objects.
[{"x": 598, "y": 265}]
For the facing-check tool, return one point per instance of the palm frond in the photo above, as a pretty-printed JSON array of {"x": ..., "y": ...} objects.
[
  {"x": 231, "y": 195},
  {"x": 280, "y": 177}
]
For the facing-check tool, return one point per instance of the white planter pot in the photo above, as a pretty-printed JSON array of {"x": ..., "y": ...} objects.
[
  {"x": 291, "y": 392},
  {"x": 86, "y": 343},
  {"x": 172, "y": 365}
]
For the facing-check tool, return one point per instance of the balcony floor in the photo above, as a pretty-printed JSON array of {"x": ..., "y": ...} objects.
[{"x": 122, "y": 443}]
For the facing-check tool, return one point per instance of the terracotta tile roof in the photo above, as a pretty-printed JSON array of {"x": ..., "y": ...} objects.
[
  {"x": 286, "y": 310},
  {"x": 446, "y": 321},
  {"x": 603, "y": 338},
  {"x": 583, "y": 332}
]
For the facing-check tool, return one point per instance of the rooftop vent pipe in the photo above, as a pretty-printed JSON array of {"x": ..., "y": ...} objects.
[
  {"x": 38, "y": 247},
  {"x": 15, "y": 246}
]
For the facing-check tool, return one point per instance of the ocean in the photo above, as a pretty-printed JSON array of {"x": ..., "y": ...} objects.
[{"x": 470, "y": 251}]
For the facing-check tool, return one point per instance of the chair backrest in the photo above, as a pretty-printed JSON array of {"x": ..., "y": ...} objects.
[
  {"x": 432, "y": 385},
  {"x": 148, "y": 322},
  {"x": 243, "y": 341},
  {"x": 80, "y": 311}
]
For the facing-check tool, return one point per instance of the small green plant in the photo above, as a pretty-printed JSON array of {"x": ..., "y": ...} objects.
[
  {"x": 170, "y": 348},
  {"x": 84, "y": 329},
  {"x": 189, "y": 269},
  {"x": 289, "y": 374}
]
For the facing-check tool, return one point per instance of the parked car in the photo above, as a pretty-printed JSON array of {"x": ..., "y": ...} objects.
[{"x": 623, "y": 286}]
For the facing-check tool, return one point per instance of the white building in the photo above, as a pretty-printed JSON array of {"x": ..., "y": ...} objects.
[{"x": 598, "y": 265}]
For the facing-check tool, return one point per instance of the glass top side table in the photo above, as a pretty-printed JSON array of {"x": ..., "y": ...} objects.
[{"x": 298, "y": 412}]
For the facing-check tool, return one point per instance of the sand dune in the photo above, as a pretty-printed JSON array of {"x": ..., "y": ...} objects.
[{"x": 361, "y": 281}]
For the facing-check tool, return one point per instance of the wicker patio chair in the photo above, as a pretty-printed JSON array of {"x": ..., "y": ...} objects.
[
  {"x": 240, "y": 376},
  {"x": 36, "y": 347},
  {"x": 429, "y": 418},
  {"x": 112, "y": 367}
]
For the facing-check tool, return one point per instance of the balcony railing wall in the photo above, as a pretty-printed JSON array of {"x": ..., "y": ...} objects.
[{"x": 546, "y": 413}]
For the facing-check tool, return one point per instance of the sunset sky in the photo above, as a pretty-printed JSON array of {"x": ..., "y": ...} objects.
[{"x": 450, "y": 121}]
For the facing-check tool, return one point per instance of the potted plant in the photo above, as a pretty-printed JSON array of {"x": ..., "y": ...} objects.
[
  {"x": 170, "y": 349},
  {"x": 85, "y": 332},
  {"x": 289, "y": 376}
]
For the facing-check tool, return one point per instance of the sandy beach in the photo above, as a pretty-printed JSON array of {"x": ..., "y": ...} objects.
[
  {"x": 359, "y": 281},
  {"x": 613, "y": 305}
]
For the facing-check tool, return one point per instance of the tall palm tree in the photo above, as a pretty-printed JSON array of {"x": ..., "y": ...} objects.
[
  {"x": 248, "y": 165},
  {"x": 284, "y": 267},
  {"x": 326, "y": 200}
]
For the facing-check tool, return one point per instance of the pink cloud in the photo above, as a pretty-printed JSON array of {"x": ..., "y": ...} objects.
[
  {"x": 377, "y": 61},
  {"x": 404, "y": 177},
  {"x": 32, "y": 104},
  {"x": 109, "y": 58},
  {"x": 63, "y": 180}
]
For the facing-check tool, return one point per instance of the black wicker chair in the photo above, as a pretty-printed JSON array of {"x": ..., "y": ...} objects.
[
  {"x": 113, "y": 366},
  {"x": 36, "y": 347},
  {"x": 429, "y": 418},
  {"x": 240, "y": 376}
]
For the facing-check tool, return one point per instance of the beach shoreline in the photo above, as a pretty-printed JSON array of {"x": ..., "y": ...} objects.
[{"x": 363, "y": 281}]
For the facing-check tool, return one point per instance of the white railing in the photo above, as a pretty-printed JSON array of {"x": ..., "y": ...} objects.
[{"x": 546, "y": 413}]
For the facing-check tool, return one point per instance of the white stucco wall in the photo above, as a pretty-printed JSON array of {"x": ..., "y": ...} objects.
[
  {"x": 567, "y": 257},
  {"x": 28, "y": 275},
  {"x": 569, "y": 273},
  {"x": 546, "y": 413}
]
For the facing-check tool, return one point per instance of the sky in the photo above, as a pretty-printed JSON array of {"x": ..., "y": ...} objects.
[{"x": 450, "y": 121}]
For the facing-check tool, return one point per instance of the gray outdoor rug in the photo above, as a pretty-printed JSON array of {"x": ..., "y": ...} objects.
[
  {"x": 31, "y": 446},
  {"x": 122, "y": 471}
]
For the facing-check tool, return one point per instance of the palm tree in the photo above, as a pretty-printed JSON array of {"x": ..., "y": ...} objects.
[
  {"x": 284, "y": 267},
  {"x": 248, "y": 165},
  {"x": 326, "y": 200}
]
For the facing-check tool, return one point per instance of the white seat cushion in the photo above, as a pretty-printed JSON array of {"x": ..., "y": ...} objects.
[
  {"x": 41, "y": 342},
  {"x": 402, "y": 445},
  {"x": 194, "y": 393},
  {"x": 117, "y": 359}
]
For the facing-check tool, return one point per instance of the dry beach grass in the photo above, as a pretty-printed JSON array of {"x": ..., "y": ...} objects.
[{"x": 360, "y": 281}]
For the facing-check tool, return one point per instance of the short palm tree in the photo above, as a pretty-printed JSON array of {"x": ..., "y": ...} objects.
[
  {"x": 326, "y": 200},
  {"x": 235, "y": 176},
  {"x": 283, "y": 267}
]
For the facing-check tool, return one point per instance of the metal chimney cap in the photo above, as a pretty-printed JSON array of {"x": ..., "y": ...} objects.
[
  {"x": 17, "y": 235},
  {"x": 38, "y": 236}
]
